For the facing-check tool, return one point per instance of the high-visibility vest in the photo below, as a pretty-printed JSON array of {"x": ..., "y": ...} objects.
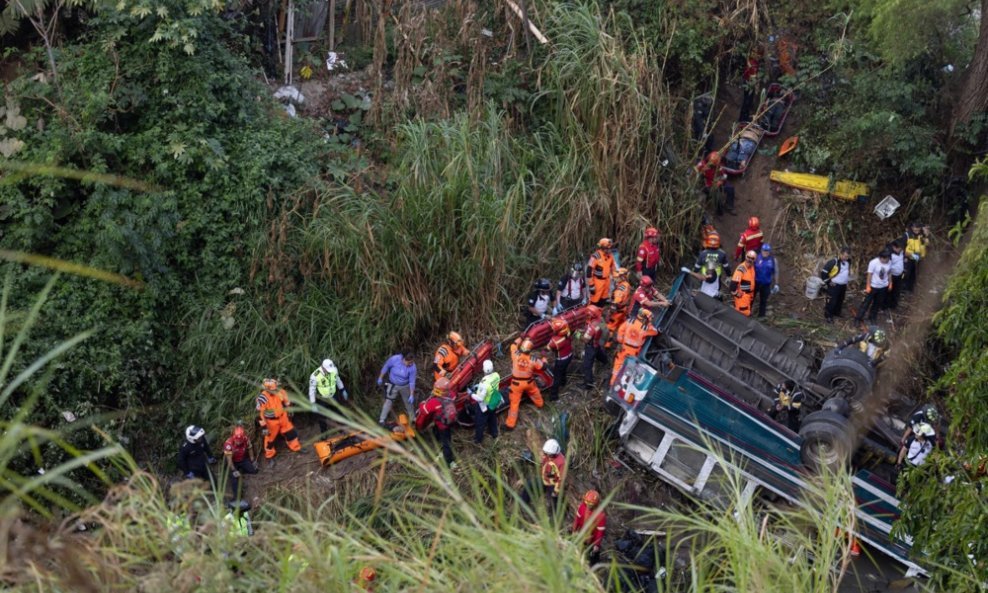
[
  {"x": 326, "y": 383},
  {"x": 240, "y": 525},
  {"x": 491, "y": 382},
  {"x": 914, "y": 244}
]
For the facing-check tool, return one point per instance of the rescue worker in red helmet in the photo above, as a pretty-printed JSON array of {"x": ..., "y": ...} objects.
[
  {"x": 365, "y": 580},
  {"x": 632, "y": 337},
  {"x": 448, "y": 355},
  {"x": 750, "y": 239},
  {"x": 523, "y": 367},
  {"x": 716, "y": 185},
  {"x": 647, "y": 295},
  {"x": 239, "y": 454},
  {"x": 272, "y": 408},
  {"x": 647, "y": 260},
  {"x": 593, "y": 337},
  {"x": 600, "y": 271},
  {"x": 589, "y": 517},
  {"x": 440, "y": 411},
  {"x": 561, "y": 343}
]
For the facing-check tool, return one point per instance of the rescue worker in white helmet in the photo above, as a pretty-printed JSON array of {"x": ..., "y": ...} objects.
[
  {"x": 194, "y": 457},
  {"x": 326, "y": 390},
  {"x": 873, "y": 343}
]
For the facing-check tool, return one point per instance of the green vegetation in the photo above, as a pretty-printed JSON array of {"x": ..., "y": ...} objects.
[{"x": 945, "y": 504}]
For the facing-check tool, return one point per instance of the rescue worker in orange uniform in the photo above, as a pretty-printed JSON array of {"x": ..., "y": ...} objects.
[
  {"x": 632, "y": 336},
  {"x": 620, "y": 303},
  {"x": 448, "y": 355},
  {"x": 647, "y": 260},
  {"x": 274, "y": 420},
  {"x": 600, "y": 271},
  {"x": 750, "y": 239},
  {"x": 561, "y": 343},
  {"x": 587, "y": 516},
  {"x": 648, "y": 296},
  {"x": 523, "y": 367},
  {"x": 743, "y": 284}
]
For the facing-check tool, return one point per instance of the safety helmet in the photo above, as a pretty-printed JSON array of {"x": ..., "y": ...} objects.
[
  {"x": 766, "y": 247},
  {"x": 455, "y": 338},
  {"x": 269, "y": 384},
  {"x": 712, "y": 240},
  {"x": 644, "y": 314},
  {"x": 551, "y": 447},
  {"x": 488, "y": 367},
  {"x": 754, "y": 223},
  {"x": 651, "y": 232},
  {"x": 238, "y": 432},
  {"x": 542, "y": 284},
  {"x": 931, "y": 413},
  {"x": 526, "y": 346},
  {"x": 605, "y": 243},
  {"x": 441, "y": 386},
  {"x": 329, "y": 366},
  {"x": 925, "y": 430},
  {"x": 577, "y": 267},
  {"x": 193, "y": 433},
  {"x": 593, "y": 311},
  {"x": 647, "y": 281},
  {"x": 878, "y": 337},
  {"x": 621, "y": 272},
  {"x": 713, "y": 158},
  {"x": 591, "y": 498},
  {"x": 368, "y": 574},
  {"x": 559, "y": 325},
  {"x": 750, "y": 255}
]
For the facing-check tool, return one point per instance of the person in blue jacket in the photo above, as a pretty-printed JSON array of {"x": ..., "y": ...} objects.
[{"x": 766, "y": 277}]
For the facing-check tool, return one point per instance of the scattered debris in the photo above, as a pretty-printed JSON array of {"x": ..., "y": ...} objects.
[
  {"x": 886, "y": 207},
  {"x": 69, "y": 416},
  {"x": 335, "y": 61}
]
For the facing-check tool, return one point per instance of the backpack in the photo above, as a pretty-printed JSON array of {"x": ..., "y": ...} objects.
[
  {"x": 494, "y": 399},
  {"x": 447, "y": 414}
]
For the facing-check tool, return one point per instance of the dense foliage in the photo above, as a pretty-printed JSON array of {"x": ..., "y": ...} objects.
[
  {"x": 217, "y": 158},
  {"x": 945, "y": 505}
]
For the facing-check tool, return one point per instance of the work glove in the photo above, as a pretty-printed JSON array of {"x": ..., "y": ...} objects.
[
  {"x": 775, "y": 289},
  {"x": 380, "y": 381},
  {"x": 189, "y": 476},
  {"x": 236, "y": 474},
  {"x": 346, "y": 396},
  {"x": 264, "y": 432}
]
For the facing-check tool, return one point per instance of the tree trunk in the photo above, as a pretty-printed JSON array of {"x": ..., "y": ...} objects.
[{"x": 973, "y": 99}]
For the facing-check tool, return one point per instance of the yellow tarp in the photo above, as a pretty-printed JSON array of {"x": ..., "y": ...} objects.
[{"x": 845, "y": 190}]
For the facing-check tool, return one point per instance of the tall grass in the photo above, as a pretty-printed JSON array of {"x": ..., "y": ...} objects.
[{"x": 424, "y": 529}]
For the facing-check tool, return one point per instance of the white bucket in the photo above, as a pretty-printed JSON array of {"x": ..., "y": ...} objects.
[{"x": 813, "y": 286}]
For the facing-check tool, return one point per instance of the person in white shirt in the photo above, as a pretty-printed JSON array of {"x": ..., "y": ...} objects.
[
  {"x": 877, "y": 282},
  {"x": 835, "y": 274},
  {"x": 896, "y": 268},
  {"x": 916, "y": 449}
]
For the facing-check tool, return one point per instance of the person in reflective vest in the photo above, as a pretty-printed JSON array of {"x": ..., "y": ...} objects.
[
  {"x": 487, "y": 398},
  {"x": 917, "y": 237},
  {"x": 647, "y": 260},
  {"x": 743, "y": 285},
  {"x": 561, "y": 343},
  {"x": 632, "y": 336},
  {"x": 272, "y": 407},
  {"x": 788, "y": 401},
  {"x": 523, "y": 367},
  {"x": 448, "y": 355},
  {"x": 600, "y": 271},
  {"x": 711, "y": 266},
  {"x": 553, "y": 473},
  {"x": 836, "y": 273},
  {"x": 874, "y": 344},
  {"x": 325, "y": 386},
  {"x": 238, "y": 519},
  {"x": 620, "y": 303}
]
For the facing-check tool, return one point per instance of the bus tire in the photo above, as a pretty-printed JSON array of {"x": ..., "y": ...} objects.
[{"x": 827, "y": 442}]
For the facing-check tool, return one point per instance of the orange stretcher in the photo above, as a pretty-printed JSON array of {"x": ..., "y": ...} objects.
[{"x": 346, "y": 446}]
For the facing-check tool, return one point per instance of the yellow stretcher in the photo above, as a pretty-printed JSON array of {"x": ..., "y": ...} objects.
[{"x": 845, "y": 190}]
